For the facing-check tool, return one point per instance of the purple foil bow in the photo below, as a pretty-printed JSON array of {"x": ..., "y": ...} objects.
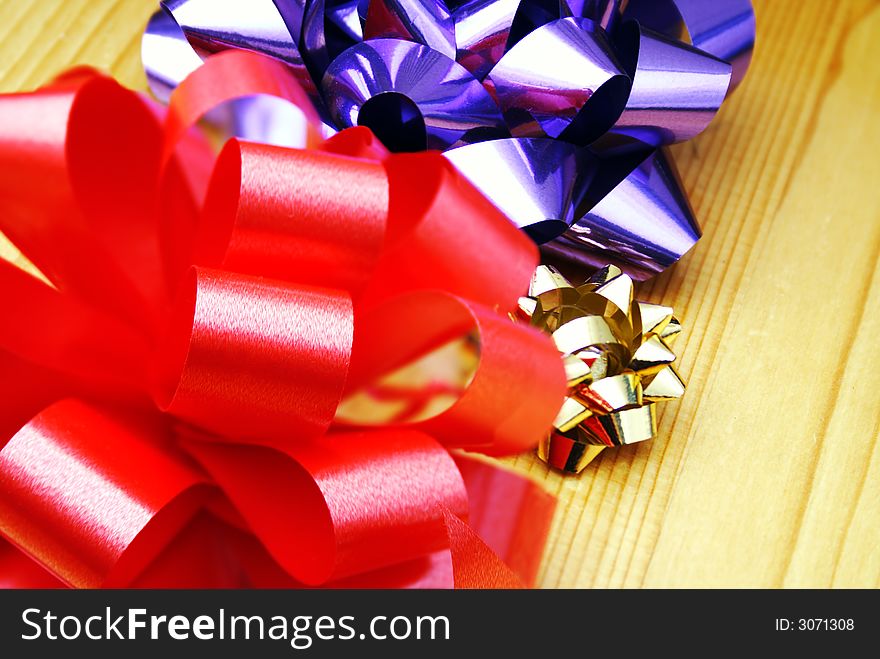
[{"x": 558, "y": 110}]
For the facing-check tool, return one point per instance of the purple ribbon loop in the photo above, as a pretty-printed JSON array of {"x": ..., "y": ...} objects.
[
  {"x": 328, "y": 28},
  {"x": 427, "y": 22},
  {"x": 540, "y": 185},
  {"x": 532, "y": 14},
  {"x": 724, "y": 29},
  {"x": 635, "y": 213},
  {"x": 588, "y": 90},
  {"x": 666, "y": 107},
  {"x": 482, "y": 29},
  {"x": 169, "y": 57},
  {"x": 263, "y": 26},
  {"x": 454, "y": 107},
  {"x": 577, "y": 102}
]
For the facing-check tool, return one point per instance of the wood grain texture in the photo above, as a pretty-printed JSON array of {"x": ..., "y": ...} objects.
[{"x": 767, "y": 473}]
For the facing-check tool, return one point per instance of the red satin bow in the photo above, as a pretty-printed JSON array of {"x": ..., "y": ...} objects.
[{"x": 245, "y": 305}]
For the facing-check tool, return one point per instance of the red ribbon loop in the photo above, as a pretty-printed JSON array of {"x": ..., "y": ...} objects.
[
  {"x": 344, "y": 504},
  {"x": 255, "y": 359},
  {"x": 443, "y": 234},
  {"x": 512, "y": 396},
  {"x": 93, "y": 498},
  {"x": 295, "y": 215}
]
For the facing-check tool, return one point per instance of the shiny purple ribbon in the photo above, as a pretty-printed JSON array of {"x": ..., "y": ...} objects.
[{"x": 558, "y": 110}]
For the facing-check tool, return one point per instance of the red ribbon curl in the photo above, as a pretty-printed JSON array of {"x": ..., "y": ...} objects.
[{"x": 244, "y": 295}]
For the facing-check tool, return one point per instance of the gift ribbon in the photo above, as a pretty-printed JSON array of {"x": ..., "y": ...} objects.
[
  {"x": 171, "y": 382},
  {"x": 557, "y": 110},
  {"x": 617, "y": 361}
]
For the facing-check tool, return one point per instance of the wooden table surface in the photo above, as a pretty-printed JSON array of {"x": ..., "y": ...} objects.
[{"x": 767, "y": 473}]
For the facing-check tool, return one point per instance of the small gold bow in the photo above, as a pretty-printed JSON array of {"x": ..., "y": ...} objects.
[{"x": 617, "y": 360}]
